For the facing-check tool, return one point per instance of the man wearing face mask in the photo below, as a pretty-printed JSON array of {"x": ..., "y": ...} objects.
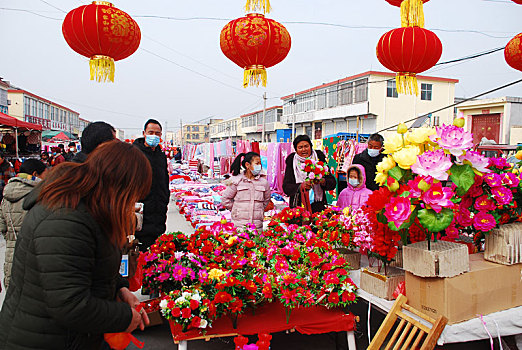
[
  {"x": 156, "y": 203},
  {"x": 369, "y": 159}
]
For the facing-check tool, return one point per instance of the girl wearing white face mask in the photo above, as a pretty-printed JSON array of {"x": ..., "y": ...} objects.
[
  {"x": 248, "y": 193},
  {"x": 355, "y": 195}
]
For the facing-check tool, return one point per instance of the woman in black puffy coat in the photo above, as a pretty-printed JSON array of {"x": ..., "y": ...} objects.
[{"x": 65, "y": 289}]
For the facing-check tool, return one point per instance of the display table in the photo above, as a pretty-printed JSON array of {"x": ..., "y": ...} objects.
[
  {"x": 271, "y": 318},
  {"x": 509, "y": 321}
]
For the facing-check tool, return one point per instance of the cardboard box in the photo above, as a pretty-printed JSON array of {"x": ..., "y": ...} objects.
[
  {"x": 378, "y": 284},
  {"x": 486, "y": 288},
  {"x": 444, "y": 259},
  {"x": 504, "y": 245}
]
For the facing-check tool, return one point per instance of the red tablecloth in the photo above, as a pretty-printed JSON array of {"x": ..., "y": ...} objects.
[{"x": 271, "y": 318}]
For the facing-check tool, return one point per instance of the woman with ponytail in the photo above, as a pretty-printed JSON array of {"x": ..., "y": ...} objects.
[{"x": 248, "y": 193}]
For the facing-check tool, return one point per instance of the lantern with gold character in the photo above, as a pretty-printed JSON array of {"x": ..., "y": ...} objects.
[{"x": 102, "y": 33}]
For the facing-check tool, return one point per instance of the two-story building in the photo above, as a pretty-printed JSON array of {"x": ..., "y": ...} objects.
[
  {"x": 195, "y": 133},
  {"x": 227, "y": 129},
  {"x": 32, "y": 108},
  {"x": 365, "y": 103},
  {"x": 252, "y": 124}
]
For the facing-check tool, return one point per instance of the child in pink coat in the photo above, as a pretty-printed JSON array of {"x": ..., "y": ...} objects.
[{"x": 355, "y": 195}]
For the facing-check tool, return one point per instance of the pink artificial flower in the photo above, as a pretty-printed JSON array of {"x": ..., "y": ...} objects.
[
  {"x": 483, "y": 203},
  {"x": 163, "y": 277},
  {"x": 438, "y": 197},
  {"x": 483, "y": 221},
  {"x": 499, "y": 163},
  {"x": 179, "y": 272},
  {"x": 433, "y": 163},
  {"x": 464, "y": 218},
  {"x": 475, "y": 190},
  {"x": 203, "y": 276},
  {"x": 476, "y": 160},
  {"x": 510, "y": 179},
  {"x": 502, "y": 195},
  {"x": 452, "y": 232},
  {"x": 453, "y": 139},
  {"x": 492, "y": 179},
  {"x": 398, "y": 210},
  {"x": 424, "y": 182}
]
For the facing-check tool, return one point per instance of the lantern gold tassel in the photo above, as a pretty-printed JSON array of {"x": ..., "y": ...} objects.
[
  {"x": 406, "y": 83},
  {"x": 254, "y": 76},
  {"x": 412, "y": 13},
  {"x": 102, "y": 68},
  {"x": 254, "y": 5}
]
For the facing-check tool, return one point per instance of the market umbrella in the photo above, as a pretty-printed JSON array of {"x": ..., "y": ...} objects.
[{"x": 61, "y": 137}]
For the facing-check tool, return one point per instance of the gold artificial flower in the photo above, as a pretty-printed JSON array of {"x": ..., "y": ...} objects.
[
  {"x": 407, "y": 156},
  {"x": 402, "y": 128},
  {"x": 216, "y": 274},
  {"x": 419, "y": 136},
  {"x": 381, "y": 178},
  {"x": 518, "y": 155},
  {"x": 393, "y": 144},
  {"x": 386, "y": 164}
]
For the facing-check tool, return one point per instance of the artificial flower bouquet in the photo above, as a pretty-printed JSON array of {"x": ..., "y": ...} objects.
[
  {"x": 431, "y": 174},
  {"x": 315, "y": 170},
  {"x": 330, "y": 225},
  {"x": 297, "y": 216},
  {"x": 188, "y": 309}
]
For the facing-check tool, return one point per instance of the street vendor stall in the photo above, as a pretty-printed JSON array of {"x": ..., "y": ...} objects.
[{"x": 12, "y": 144}]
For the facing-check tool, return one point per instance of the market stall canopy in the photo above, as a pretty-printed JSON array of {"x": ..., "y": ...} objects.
[
  {"x": 52, "y": 134},
  {"x": 61, "y": 136},
  {"x": 16, "y": 123}
]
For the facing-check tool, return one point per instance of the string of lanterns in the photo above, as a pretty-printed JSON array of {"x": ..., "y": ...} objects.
[{"x": 105, "y": 34}]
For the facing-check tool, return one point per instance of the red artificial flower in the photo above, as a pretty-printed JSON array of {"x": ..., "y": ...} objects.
[
  {"x": 333, "y": 298},
  {"x": 236, "y": 306},
  {"x": 222, "y": 297},
  {"x": 196, "y": 321},
  {"x": 194, "y": 304},
  {"x": 347, "y": 296},
  {"x": 186, "y": 313},
  {"x": 176, "y": 312}
]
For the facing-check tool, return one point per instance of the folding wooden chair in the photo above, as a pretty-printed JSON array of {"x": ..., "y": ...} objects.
[{"x": 408, "y": 329}]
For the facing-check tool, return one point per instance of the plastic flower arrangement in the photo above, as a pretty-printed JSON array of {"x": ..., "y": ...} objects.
[
  {"x": 188, "y": 309},
  {"x": 315, "y": 170},
  {"x": 297, "y": 216},
  {"x": 330, "y": 225},
  {"x": 426, "y": 171}
]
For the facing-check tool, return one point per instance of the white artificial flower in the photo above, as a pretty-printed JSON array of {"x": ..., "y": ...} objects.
[
  {"x": 163, "y": 304},
  {"x": 180, "y": 300},
  {"x": 186, "y": 295},
  {"x": 196, "y": 296},
  {"x": 203, "y": 323}
]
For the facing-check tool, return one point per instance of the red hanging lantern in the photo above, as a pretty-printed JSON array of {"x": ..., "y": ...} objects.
[
  {"x": 513, "y": 52},
  {"x": 255, "y": 43},
  {"x": 409, "y": 51},
  {"x": 412, "y": 12},
  {"x": 102, "y": 33}
]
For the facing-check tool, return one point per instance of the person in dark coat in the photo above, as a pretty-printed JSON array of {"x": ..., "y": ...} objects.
[
  {"x": 292, "y": 183},
  {"x": 63, "y": 290},
  {"x": 156, "y": 202},
  {"x": 369, "y": 158},
  {"x": 94, "y": 135}
]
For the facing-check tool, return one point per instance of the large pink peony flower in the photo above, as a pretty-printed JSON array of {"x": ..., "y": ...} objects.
[
  {"x": 499, "y": 163},
  {"x": 510, "y": 179},
  {"x": 483, "y": 221},
  {"x": 398, "y": 210},
  {"x": 492, "y": 179},
  {"x": 418, "y": 185},
  {"x": 433, "y": 163},
  {"x": 476, "y": 160},
  {"x": 438, "y": 197},
  {"x": 485, "y": 204},
  {"x": 502, "y": 195},
  {"x": 452, "y": 232},
  {"x": 453, "y": 139}
]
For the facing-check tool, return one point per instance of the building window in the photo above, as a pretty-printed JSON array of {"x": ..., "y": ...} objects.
[
  {"x": 361, "y": 90},
  {"x": 321, "y": 98},
  {"x": 195, "y": 128},
  {"x": 27, "y": 106},
  {"x": 426, "y": 91},
  {"x": 308, "y": 131},
  {"x": 391, "y": 89},
  {"x": 332, "y": 97},
  {"x": 195, "y": 136},
  {"x": 346, "y": 94},
  {"x": 188, "y": 136},
  {"x": 318, "y": 131},
  {"x": 188, "y": 128}
]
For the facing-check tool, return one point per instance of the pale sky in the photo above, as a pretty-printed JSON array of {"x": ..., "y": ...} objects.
[{"x": 36, "y": 58}]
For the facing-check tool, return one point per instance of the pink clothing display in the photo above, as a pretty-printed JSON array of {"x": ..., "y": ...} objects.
[{"x": 354, "y": 197}]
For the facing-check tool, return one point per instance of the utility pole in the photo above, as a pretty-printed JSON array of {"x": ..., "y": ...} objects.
[
  {"x": 264, "y": 118},
  {"x": 294, "y": 102}
]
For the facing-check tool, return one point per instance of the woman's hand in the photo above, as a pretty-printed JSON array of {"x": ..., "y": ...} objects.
[
  {"x": 307, "y": 185},
  {"x": 136, "y": 321},
  {"x": 126, "y": 296}
]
